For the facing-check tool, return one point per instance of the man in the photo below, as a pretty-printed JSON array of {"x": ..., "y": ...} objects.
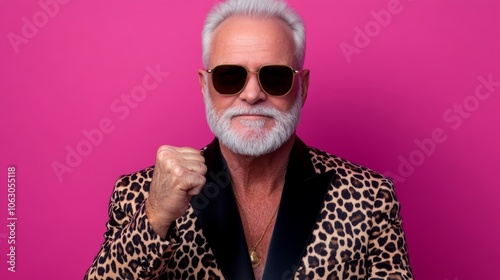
[{"x": 256, "y": 203}]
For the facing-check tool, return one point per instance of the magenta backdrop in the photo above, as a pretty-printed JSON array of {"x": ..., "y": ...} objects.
[{"x": 409, "y": 88}]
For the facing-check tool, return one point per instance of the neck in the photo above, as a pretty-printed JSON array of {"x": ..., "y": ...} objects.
[{"x": 271, "y": 169}]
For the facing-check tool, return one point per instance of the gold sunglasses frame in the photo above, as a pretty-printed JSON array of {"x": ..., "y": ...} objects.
[{"x": 294, "y": 72}]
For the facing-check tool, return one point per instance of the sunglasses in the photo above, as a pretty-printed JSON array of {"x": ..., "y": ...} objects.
[{"x": 274, "y": 80}]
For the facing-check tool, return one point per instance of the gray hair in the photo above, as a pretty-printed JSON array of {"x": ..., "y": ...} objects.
[{"x": 260, "y": 8}]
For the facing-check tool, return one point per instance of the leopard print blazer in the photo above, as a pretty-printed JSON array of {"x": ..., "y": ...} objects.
[{"x": 350, "y": 227}]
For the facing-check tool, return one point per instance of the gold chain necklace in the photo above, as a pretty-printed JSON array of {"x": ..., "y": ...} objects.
[{"x": 254, "y": 257}]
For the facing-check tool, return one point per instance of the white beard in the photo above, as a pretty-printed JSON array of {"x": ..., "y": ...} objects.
[{"x": 253, "y": 140}]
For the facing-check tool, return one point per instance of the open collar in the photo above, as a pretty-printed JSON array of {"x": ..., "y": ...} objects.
[{"x": 301, "y": 201}]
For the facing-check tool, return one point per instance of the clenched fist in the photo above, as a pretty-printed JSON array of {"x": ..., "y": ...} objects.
[{"x": 179, "y": 173}]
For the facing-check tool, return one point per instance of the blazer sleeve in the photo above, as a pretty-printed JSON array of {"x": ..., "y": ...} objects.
[
  {"x": 388, "y": 253},
  {"x": 131, "y": 248}
]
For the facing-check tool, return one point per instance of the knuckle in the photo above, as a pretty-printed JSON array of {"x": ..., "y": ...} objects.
[
  {"x": 198, "y": 181},
  {"x": 203, "y": 169},
  {"x": 200, "y": 158},
  {"x": 166, "y": 150},
  {"x": 161, "y": 156},
  {"x": 195, "y": 191},
  {"x": 203, "y": 180},
  {"x": 171, "y": 162},
  {"x": 163, "y": 148},
  {"x": 179, "y": 171}
]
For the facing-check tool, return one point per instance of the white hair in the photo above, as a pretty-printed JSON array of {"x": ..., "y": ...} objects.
[{"x": 258, "y": 8}]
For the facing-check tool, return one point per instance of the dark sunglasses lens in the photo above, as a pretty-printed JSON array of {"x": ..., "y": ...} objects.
[
  {"x": 229, "y": 79},
  {"x": 276, "y": 79}
]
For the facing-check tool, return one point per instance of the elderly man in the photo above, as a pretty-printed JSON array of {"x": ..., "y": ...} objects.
[{"x": 256, "y": 203}]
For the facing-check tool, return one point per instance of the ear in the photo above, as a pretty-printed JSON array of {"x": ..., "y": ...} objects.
[
  {"x": 304, "y": 76},
  {"x": 201, "y": 76}
]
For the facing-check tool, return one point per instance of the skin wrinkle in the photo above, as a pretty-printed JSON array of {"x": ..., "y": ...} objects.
[{"x": 254, "y": 49}]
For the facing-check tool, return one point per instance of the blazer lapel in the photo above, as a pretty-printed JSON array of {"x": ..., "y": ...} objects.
[
  {"x": 217, "y": 212},
  {"x": 301, "y": 201}
]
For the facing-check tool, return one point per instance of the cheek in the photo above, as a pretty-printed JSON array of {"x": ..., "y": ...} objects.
[
  {"x": 286, "y": 103},
  {"x": 220, "y": 102}
]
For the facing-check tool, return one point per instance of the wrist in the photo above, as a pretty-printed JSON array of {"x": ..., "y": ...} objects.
[{"x": 160, "y": 226}]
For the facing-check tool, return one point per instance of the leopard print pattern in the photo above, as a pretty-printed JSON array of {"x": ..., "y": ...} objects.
[
  {"x": 193, "y": 260},
  {"x": 358, "y": 227},
  {"x": 124, "y": 255},
  {"x": 363, "y": 212}
]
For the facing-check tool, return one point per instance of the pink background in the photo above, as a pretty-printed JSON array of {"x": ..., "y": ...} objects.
[{"x": 372, "y": 107}]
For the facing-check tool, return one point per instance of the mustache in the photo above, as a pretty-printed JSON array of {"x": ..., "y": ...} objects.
[{"x": 260, "y": 110}]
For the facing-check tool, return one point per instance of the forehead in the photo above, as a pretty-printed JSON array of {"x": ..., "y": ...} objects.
[{"x": 252, "y": 41}]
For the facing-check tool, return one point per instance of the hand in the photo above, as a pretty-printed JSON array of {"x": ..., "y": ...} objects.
[{"x": 179, "y": 173}]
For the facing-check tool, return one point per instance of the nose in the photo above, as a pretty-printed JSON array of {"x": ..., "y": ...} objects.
[{"x": 252, "y": 93}]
